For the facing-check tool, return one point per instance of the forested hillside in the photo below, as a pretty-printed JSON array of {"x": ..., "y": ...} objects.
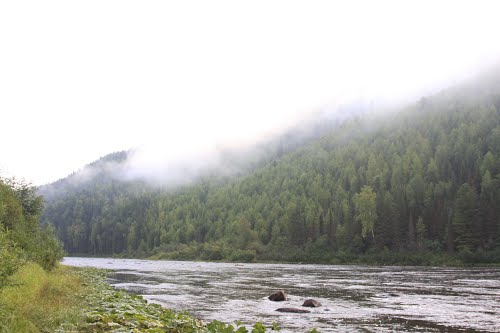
[{"x": 422, "y": 180}]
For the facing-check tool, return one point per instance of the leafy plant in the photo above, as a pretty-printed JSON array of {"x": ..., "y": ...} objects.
[
  {"x": 11, "y": 258},
  {"x": 258, "y": 328}
]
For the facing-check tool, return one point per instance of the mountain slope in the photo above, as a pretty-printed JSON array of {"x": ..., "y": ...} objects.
[{"x": 424, "y": 179}]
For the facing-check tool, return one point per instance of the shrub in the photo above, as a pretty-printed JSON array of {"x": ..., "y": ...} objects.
[
  {"x": 11, "y": 258},
  {"x": 243, "y": 256}
]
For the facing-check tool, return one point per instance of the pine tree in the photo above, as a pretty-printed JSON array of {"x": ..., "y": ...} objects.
[{"x": 466, "y": 220}]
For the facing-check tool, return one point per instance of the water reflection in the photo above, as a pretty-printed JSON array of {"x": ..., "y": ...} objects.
[{"x": 354, "y": 298}]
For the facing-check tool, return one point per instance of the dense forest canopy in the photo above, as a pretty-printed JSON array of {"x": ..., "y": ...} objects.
[{"x": 423, "y": 180}]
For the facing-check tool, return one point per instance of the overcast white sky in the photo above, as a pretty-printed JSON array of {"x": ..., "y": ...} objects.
[{"x": 80, "y": 79}]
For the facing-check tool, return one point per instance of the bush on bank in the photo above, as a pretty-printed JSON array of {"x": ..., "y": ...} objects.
[{"x": 22, "y": 238}]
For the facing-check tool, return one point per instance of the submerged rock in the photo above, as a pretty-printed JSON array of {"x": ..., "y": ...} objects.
[
  {"x": 311, "y": 303},
  {"x": 278, "y": 296},
  {"x": 292, "y": 310}
]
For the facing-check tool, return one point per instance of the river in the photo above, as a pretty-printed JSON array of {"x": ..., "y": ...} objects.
[{"x": 354, "y": 298}]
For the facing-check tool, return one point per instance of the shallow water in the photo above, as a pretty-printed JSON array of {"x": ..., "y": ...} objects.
[{"x": 354, "y": 298}]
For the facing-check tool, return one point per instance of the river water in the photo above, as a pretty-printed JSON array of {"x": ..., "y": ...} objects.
[{"x": 353, "y": 298}]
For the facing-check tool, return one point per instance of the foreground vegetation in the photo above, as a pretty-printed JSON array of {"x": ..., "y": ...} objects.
[
  {"x": 422, "y": 182},
  {"x": 79, "y": 300},
  {"x": 22, "y": 238},
  {"x": 34, "y": 293},
  {"x": 41, "y": 301}
]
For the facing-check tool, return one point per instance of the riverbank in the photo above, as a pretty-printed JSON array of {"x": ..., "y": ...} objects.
[
  {"x": 293, "y": 256},
  {"x": 381, "y": 258},
  {"x": 71, "y": 299}
]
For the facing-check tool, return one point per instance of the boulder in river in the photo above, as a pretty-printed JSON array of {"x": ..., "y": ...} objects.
[
  {"x": 278, "y": 296},
  {"x": 311, "y": 303},
  {"x": 292, "y": 310}
]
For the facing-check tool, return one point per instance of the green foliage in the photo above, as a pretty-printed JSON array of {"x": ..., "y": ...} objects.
[
  {"x": 48, "y": 249},
  {"x": 259, "y": 328},
  {"x": 420, "y": 230},
  {"x": 21, "y": 236},
  {"x": 41, "y": 301},
  {"x": 11, "y": 258},
  {"x": 243, "y": 256},
  {"x": 465, "y": 219},
  {"x": 366, "y": 210},
  {"x": 358, "y": 188},
  {"x": 212, "y": 252}
]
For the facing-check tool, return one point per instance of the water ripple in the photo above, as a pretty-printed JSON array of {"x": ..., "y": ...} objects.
[{"x": 354, "y": 298}]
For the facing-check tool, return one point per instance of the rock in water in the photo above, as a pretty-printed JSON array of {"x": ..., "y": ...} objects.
[
  {"x": 278, "y": 296},
  {"x": 292, "y": 310},
  {"x": 311, "y": 303}
]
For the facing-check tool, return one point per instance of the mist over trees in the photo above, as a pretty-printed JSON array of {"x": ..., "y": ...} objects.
[{"x": 423, "y": 180}]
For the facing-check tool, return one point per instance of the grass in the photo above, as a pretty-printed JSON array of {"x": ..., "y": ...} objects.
[{"x": 41, "y": 301}]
